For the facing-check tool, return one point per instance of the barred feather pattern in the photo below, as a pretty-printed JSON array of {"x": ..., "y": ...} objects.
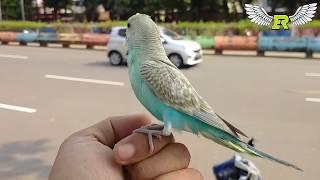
[{"x": 174, "y": 89}]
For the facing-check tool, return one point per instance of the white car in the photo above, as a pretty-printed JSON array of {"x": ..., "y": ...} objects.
[{"x": 179, "y": 51}]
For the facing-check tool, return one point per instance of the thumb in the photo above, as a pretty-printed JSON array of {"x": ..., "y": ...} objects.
[{"x": 113, "y": 129}]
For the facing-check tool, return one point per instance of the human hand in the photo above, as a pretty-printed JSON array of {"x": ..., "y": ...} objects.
[{"x": 109, "y": 150}]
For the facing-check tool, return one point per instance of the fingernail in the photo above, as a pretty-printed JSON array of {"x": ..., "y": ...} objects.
[{"x": 126, "y": 151}]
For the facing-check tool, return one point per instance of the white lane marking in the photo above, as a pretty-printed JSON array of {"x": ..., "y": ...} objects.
[
  {"x": 13, "y": 56},
  {"x": 84, "y": 80},
  {"x": 312, "y": 74},
  {"x": 313, "y": 100},
  {"x": 17, "y": 108}
]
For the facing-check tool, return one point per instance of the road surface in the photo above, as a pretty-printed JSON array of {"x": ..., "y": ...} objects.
[{"x": 46, "y": 94}]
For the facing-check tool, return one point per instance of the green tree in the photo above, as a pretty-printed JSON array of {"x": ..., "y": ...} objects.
[
  {"x": 153, "y": 5},
  {"x": 10, "y": 9},
  {"x": 290, "y": 5},
  {"x": 91, "y": 6},
  {"x": 242, "y": 3},
  {"x": 225, "y": 9},
  {"x": 122, "y": 9},
  {"x": 202, "y": 9},
  {"x": 174, "y": 8},
  {"x": 28, "y": 9}
]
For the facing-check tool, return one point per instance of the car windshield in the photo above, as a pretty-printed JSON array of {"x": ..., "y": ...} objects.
[
  {"x": 172, "y": 34},
  {"x": 122, "y": 32}
]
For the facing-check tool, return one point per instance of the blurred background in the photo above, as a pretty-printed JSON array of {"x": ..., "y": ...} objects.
[
  {"x": 201, "y": 21},
  {"x": 63, "y": 68}
]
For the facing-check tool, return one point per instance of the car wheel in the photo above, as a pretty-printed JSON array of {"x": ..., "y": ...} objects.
[
  {"x": 176, "y": 59},
  {"x": 115, "y": 58}
]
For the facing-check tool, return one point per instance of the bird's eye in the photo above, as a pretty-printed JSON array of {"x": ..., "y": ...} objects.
[{"x": 128, "y": 25}]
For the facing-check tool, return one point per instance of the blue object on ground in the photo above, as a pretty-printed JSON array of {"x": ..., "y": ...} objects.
[
  {"x": 98, "y": 30},
  {"x": 47, "y": 30},
  {"x": 276, "y": 33},
  {"x": 26, "y": 37},
  {"x": 226, "y": 170},
  {"x": 313, "y": 44},
  {"x": 236, "y": 168},
  {"x": 47, "y": 34},
  {"x": 298, "y": 44}
]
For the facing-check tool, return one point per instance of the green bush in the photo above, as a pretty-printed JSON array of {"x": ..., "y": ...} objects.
[
  {"x": 61, "y": 27},
  {"x": 206, "y": 42},
  {"x": 313, "y": 24},
  {"x": 192, "y": 29},
  {"x": 19, "y": 25}
]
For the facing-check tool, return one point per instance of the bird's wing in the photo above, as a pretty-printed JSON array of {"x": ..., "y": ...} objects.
[
  {"x": 174, "y": 89},
  {"x": 258, "y": 15},
  {"x": 304, "y": 14}
]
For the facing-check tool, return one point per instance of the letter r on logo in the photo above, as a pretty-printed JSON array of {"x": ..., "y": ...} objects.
[{"x": 280, "y": 20}]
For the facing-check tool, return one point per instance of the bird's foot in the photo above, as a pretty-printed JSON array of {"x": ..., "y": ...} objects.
[{"x": 153, "y": 130}]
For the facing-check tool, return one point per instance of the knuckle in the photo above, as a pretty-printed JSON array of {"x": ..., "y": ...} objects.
[
  {"x": 71, "y": 138},
  {"x": 182, "y": 151}
]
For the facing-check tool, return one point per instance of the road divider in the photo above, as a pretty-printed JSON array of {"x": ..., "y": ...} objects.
[
  {"x": 44, "y": 38},
  {"x": 6, "y": 37},
  {"x": 235, "y": 43},
  {"x": 312, "y": 74},
  {"x": 95, "y": 81},
  {"x": 313, "y": 100},
  {"x": 266, "y": 41},
  {"x": 13, "y": 56},
  {"x": 17, "y": 108}
]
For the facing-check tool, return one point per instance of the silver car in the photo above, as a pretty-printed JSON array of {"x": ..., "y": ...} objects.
[{"x": 179, "y": 50}]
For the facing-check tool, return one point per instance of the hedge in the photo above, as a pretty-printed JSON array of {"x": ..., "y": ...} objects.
[{"x": 192, "y": 29}]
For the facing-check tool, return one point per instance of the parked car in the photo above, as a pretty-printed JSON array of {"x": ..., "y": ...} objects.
[{"x": 179, "y": 50}]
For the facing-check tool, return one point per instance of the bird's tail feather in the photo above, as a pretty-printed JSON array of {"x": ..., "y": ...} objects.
[
  {"x": 239, "y": 146},
  {"x": 256, "y": 152},
  {"x": 246, "y": 148}
]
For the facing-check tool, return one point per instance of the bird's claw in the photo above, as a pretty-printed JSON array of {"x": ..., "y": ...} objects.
[{"x": 151, "y": 131}]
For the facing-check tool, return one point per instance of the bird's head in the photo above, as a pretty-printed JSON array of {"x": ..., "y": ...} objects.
[{"x": 141, "y": 29}]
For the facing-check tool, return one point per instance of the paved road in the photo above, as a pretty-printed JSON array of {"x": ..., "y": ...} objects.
[{"x": 272, "y": 99}]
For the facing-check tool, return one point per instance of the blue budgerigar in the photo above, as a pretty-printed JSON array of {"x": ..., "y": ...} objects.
[{"x": 170, "y": 97}]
